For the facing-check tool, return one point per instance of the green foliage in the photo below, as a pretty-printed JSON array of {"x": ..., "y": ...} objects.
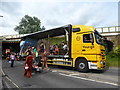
[
  {"x": 57, "y": 40},
  {"x": 113, "y": 57},
  {"x": 29, "y": 24},
  {"x": 117, "y": 50},
  {"x": 112, "y": 61},
  {"x": 111, "y": 54},
  {"x": 43, "y": 28}
]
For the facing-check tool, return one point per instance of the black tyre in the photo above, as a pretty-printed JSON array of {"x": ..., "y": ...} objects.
[{"x": 82, "y": 65}]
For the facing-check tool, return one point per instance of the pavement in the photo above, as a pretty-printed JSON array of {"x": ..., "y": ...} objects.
[{"x": 110, "y": 75}]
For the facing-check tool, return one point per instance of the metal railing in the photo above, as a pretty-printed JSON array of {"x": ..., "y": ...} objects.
[
  {"x": 111, "y": 29},
  {"x": 16, "y": 36},
  {"x": 108, "y": 29}
]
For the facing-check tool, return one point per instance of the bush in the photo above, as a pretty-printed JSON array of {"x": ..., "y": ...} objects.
[
  {"x": 111, "y": 54},
  {"x": 117, "y": 50},
  {"x": 113, "y": 57}
]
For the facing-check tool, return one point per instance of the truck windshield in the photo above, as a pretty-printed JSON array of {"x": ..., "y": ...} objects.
[{"x": 98, "y": 38}]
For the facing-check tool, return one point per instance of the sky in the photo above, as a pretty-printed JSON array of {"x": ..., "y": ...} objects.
[{"x": 55, "y": 13}]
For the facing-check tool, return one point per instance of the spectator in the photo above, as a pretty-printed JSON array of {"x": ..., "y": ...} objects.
[
  {"x": 65, "y": 48},
  {"x": 12, "y": 59},
  {"x": 56, "y": 50},
  {"x": 51, "y": 50},
  {"x": 63, "y": 44},
  {"x": 44, "y": 60},
  {"x": 41, "y": 51},
  {"x": 7, "y": 52},
  {"x": 28, "y": 49},
  {"x": 33, "y": 53}
]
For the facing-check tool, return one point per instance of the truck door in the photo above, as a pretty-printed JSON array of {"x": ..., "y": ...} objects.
[{"x": 88, "y": 46}]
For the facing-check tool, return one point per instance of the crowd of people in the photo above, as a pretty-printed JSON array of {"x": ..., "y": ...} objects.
[
  {"x": 33, "y": 52},
  {"x": 56, "y": 50}
]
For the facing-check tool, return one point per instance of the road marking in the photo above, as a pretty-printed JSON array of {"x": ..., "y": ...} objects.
[
  {"x": 2, "y": 72},
  {"x": 73, "y": 74},
  {"x": 54, "y": 71},
  {"x": 88, "y": 79},
  {"x": 61, "y": 71},
  {"x": 19, "y": 62},
  {"x": 10, "y": 80}
]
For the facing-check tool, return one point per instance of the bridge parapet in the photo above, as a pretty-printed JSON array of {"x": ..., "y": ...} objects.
[
  {"x": 105, "y": 31},
  {"x": 111, "y": 33},
  {"x": 111, "y": 29},
  {"x": 9, "y": 37}
]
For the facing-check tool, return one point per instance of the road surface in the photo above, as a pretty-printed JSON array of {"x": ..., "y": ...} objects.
[{"x": 58, "y": 78}]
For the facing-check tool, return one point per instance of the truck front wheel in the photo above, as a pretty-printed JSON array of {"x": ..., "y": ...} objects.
[{"x": 82, "y": 65}]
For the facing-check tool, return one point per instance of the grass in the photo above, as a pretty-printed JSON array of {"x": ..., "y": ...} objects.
[
  {"x": 112, "y": 61},
  {"x": 57, "y": 40}
]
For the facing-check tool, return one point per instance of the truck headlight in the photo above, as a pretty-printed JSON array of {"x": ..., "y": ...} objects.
[
  {"x": 103, "y": 53},
  {"x": 101, "y": 62}
]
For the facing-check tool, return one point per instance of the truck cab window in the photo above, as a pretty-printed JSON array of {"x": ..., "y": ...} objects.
[
  {"x": 87, "y": 38},
  {"x": 98, "y": 37}
]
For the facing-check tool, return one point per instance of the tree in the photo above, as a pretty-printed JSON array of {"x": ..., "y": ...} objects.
[
  {"x": 43, "y": 28},
  {"x": 29, "y": 24}
]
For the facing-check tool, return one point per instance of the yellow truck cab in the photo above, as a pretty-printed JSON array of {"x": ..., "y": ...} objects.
[
  {"x": 85, "y": 48},
  {"x": 88, "y": 51}
]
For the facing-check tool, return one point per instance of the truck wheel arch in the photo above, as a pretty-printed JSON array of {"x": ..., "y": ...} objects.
[{"x": 81, "y": 64}]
